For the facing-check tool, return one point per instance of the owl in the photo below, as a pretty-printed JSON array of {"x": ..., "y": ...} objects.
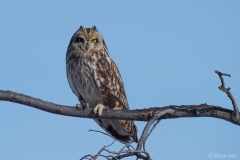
[{"x": 95, "y": 79}]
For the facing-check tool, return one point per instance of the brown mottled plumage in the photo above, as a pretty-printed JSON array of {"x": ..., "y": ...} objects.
[{"x": 94, "y": 78}]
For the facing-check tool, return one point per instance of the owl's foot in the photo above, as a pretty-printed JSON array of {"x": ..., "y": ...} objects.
[
  {"x": 98, "y": 109},
  {"x": 82, "y": 106},
  {"x": 78, "y": 106}
]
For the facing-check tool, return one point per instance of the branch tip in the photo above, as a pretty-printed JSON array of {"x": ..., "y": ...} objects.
[
  {"x": 220, "y": 73},
  {"x": 227, "y": 91}
]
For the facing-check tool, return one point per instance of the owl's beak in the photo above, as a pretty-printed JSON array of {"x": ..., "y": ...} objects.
[{"x": 87, "y": 47}]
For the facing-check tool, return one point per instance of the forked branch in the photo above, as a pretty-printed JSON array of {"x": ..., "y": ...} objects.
[
  {"x": 227, "y": 91},
  {"x": 127, "y": 151}
]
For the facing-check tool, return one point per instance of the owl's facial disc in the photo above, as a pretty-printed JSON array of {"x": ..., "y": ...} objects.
[{"x": 87, "y": 40}]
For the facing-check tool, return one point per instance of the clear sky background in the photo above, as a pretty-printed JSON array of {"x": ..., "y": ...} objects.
[{"x": 166, "y": 51}]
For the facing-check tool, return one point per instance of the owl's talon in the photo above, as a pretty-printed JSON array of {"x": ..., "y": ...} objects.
[
  {"x": 98, "y": 109},
  {"x": 87, "y": 105},
  {"x": 78, "y": 106},
  {"x": 82, "y": 106}
]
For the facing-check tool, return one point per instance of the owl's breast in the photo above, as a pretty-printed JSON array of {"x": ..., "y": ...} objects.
[{"x": 81, "y": 73}]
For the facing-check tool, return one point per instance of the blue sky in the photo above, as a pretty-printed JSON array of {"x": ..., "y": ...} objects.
[{"x": 166, "y": 51}]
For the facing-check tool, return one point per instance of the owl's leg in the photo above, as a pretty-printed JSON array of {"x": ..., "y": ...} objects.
[{"x": 98, "y": 109}]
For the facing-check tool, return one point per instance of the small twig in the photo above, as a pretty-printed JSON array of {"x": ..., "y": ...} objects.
[
  {"x": 91, "y": 130},
  {"x": 111, "y": 143},
  {"x": 99, "y": 153},
  {"x": 109, "y": 136},
  {"x": 129, "y": 145},
  {"x": 124, "y": 148},
  {"x": 85, "y": 157},
  {"x": 133, "y": 153},
  {"x": 227, "y": 91},
  {"x": 104, "y": 156}
]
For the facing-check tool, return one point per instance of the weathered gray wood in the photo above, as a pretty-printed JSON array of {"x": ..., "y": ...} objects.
[{"x": 202, "y": 110}]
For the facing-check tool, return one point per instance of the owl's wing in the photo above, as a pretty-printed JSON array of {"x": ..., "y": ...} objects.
[{"x": 108, "y": 78}]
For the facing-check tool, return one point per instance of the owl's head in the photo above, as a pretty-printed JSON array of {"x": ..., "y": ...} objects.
[{"x": 87, "y": 40}]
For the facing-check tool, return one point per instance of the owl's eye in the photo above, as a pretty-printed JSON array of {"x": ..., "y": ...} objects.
[
  {"x": 80, "y": 40},
  {"x": 94, "y": 40}
]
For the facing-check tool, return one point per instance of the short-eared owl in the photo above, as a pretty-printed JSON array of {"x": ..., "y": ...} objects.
[{"x": 94, "y": 78}]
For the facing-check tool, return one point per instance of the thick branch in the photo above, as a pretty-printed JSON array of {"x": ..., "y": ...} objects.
[
  {"x": 151, "y": 115},
  {"x": 202, "y": 110}
]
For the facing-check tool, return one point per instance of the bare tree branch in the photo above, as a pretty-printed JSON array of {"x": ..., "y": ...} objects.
[
  {"x": 202, "y": 110},
  {"x": 91, "y": 130},
  {"x": 149, "y": 133},
  {"x": 157, "y": 115},
  {"x": 227, "y": 91},
  {"x": 120, "y": 154}
]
